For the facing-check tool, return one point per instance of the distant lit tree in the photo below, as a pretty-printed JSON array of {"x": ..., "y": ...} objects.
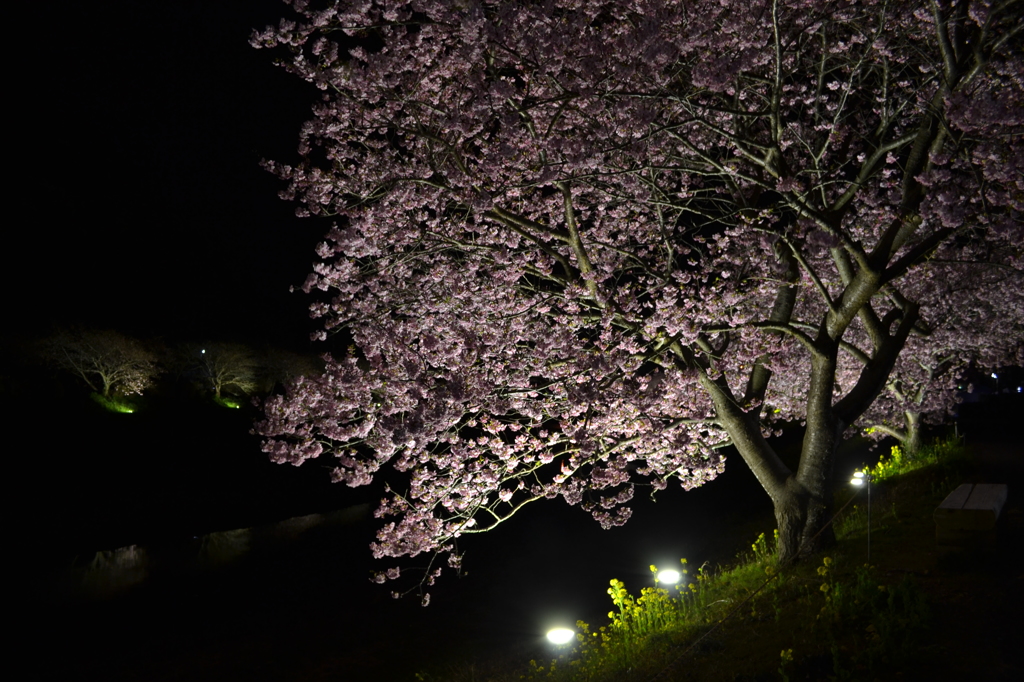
[
  {"x": 584, "y": 245},
  {"x": 107, "y": 361},
  {"x": 219, "y": 366}
]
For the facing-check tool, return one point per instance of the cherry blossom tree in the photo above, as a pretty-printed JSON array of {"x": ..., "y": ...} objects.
[
  {"x": 580, "y": 246},
  {"x": 107, "y": 361}
]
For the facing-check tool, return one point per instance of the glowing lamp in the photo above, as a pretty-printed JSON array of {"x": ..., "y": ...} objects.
[
  {"x": 859, "y": 479},
  {"x": 668, "y": 577},
  {"x": 561, "y": 635}
]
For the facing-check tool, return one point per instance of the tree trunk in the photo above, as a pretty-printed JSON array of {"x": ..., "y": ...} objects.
[
  {"x": 804, "y": 508},
  {"x": 804, "y": 528},
  {"x": 802, "y": 500},
  {"x": 803, "y": 512},
  {"x": 912, "y": 442}
]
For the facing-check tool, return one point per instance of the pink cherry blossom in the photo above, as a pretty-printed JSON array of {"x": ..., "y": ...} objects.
[{"x": 580, "y": 246}]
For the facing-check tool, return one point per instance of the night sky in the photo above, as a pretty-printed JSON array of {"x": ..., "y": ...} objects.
[{"x": 144, "y": 206}]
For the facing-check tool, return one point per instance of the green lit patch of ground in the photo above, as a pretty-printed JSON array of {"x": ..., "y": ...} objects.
[
  {"x": 118, "y": 405},
  {"x": 230, "y": 403}
]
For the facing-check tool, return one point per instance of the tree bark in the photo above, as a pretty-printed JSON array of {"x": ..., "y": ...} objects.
[
  {"x": 912, "y": 442},
  {"x": 802, "y": 519},
  {"x": 802, "y": 500},
  {"x": 804, "y": 514},
  {"x": 803, "y": 509}
]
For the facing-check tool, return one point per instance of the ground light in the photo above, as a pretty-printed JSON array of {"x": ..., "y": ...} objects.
[
  {"x": 860, "y": 479},
  {"x": 667, "y": 577},
  {"x": 561, "y": 635}
]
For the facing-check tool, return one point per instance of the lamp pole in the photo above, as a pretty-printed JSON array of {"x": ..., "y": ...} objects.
[{"x": 860, "y": 478}]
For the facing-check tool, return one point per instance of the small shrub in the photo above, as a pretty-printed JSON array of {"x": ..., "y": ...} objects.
[{"x": 867, "y": 621}]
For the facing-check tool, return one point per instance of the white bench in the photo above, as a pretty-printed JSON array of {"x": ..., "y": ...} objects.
[{"x": 968, "y": 515}]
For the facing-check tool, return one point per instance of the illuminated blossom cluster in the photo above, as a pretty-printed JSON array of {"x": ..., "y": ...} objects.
[{"x": 579, "y": 246}]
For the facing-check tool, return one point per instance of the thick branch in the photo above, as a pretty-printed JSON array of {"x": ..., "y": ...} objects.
[
  {"x": 782, "y": 313},
  {"x": 577, "y": 243},
  {"x": 875, "y": 373},
  {"x": 745, "y": 433}
]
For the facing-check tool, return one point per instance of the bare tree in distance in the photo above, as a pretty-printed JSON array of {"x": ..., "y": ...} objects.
[{"x": 221, "y": 366}]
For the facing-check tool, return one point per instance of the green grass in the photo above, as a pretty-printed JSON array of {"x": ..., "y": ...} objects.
[
  {"x": 934, "y": 470},
  {"x": 942, "y": 452},
  {"x": 114, "y": 404},
  {"x": 833, "y": 618},
  {"x": 229, "y": 403}
]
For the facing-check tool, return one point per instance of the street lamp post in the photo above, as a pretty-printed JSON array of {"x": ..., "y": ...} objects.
[{"x": 861, "y": 478}]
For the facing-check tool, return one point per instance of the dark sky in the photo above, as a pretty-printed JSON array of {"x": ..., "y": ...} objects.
[{"x": 143, "y": 204}]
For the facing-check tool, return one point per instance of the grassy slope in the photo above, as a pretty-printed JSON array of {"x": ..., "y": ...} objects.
[
  {"x": 973, "y": 600},
  {"x": 962, "y": 628}
]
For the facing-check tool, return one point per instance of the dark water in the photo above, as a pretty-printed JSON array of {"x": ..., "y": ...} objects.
[{"x": 303, "y": 607}]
